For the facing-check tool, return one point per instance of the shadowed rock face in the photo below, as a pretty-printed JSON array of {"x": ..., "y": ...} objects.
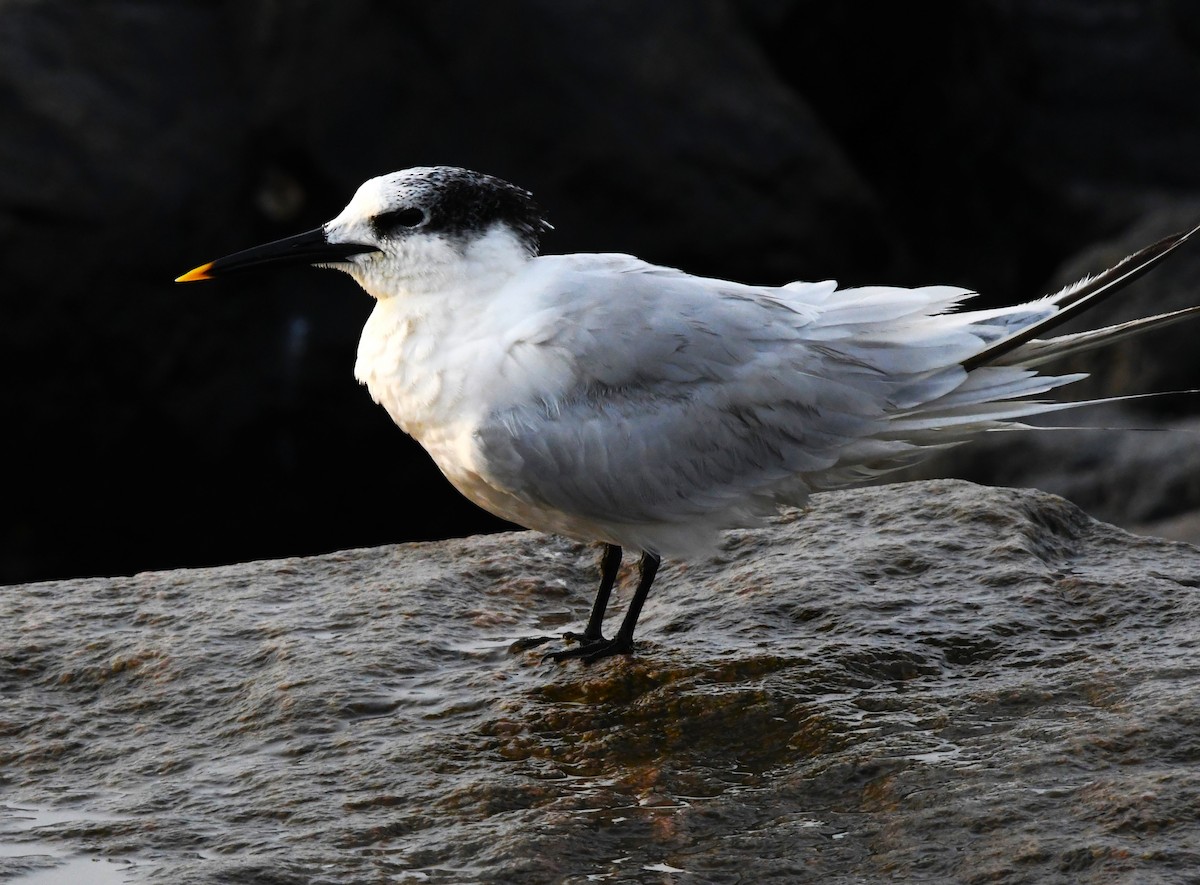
[
  {"x": 764, "y": 141},
  {"x": 934, "y": 681}
]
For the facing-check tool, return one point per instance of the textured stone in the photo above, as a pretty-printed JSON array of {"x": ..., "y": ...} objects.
[{"x": 930, "y": 681}]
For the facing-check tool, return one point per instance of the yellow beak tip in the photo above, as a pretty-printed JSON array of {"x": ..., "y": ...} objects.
[{"x": 199, "y": 273}]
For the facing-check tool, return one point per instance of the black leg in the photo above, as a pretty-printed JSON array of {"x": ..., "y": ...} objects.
[
  {"x": 622, "y": 643},
  {"x": 647, "y": 569},
  {"x": 610, "y": 564}
]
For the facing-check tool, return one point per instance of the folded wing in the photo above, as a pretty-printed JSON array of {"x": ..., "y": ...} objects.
[{"x": 688, "y": 405}]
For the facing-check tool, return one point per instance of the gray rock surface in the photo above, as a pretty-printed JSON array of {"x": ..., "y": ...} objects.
[{"x": 928, "y": 682}]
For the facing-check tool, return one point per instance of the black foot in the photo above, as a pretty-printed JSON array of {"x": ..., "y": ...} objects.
[
  {"x": 529, "y": 642},
  {"x": 592, "y": 650}
]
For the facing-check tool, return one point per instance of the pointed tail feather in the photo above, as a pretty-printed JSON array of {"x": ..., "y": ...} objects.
[
  {"x": 1038, "y": 351},
  {"x": 1080, "y": 296},
  {"x": 969, "y": 421}
]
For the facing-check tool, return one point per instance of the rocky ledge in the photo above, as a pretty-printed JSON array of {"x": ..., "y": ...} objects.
[{"x": 934, "y": 680}]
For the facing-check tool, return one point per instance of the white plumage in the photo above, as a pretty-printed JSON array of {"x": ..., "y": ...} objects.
[{"x": 608, "y": 399}]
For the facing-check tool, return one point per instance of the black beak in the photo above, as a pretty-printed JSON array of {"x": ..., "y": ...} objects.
[{"x": 307, "y": 248}]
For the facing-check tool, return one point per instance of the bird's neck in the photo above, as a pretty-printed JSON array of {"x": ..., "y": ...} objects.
[{"x": 449, "y": 266}]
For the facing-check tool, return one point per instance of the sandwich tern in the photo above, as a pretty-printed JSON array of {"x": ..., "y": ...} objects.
[{"x": 608, "y": 399}]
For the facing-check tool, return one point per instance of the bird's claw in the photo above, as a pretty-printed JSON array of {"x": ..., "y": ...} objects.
[
  {"x": 589, "y": 649},
  {"x": 529, "y": 642},
  {"x": 582, "y": 638}
]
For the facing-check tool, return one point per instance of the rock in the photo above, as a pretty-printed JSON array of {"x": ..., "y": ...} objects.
[
  {"x": 1146, "y": 481},
  {"x": 932, "y": 680},
  {"x": 1001, "y": 135}
]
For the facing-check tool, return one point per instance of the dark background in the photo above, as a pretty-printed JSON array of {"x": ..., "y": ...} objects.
[{"x": 149, "y": 425}]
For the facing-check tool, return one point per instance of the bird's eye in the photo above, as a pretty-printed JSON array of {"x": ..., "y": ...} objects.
[{"x": 397, "y": 219}]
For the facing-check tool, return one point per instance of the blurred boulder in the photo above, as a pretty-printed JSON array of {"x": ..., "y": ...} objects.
[{"x": 150, "y": 425}]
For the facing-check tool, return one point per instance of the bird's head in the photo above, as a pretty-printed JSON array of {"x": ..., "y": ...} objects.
[{"x": 410, "y": 231}]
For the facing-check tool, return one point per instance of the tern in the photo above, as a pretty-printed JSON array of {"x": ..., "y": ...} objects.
[{"x": 607, "y": 399}]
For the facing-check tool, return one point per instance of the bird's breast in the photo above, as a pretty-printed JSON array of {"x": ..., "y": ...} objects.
[
  {"x": 399, "y": 364},
  {"x": 439, "y": 373}
]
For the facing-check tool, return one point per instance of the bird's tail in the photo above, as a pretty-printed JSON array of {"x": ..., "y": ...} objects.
[{"x": 1001, "y": 376}]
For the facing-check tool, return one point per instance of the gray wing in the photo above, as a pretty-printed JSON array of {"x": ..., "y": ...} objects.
[{"x": 684, "y": 397}]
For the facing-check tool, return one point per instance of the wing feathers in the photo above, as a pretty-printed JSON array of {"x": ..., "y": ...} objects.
[{"x": 668, "y": 404}]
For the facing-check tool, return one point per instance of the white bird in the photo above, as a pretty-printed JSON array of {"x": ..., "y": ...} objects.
[{"x": 607, "y": 399}]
